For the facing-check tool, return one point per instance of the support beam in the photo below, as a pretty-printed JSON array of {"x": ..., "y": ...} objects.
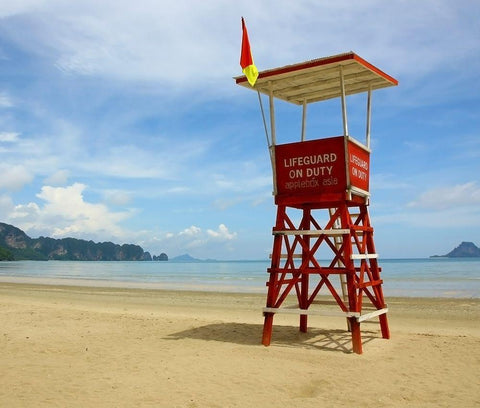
[
  {"x": 369, "y": 116},
  {"x": 304, "y": 119},
  {"x": 344, "y": 103},
  {"x": 272, "y": 118},
  {"x": 273, "y": 134}
]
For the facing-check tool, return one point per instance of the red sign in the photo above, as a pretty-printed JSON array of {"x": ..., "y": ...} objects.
[
  {"x": 358, "y": 166},
  {"x": 313, "y": 167},
  {"x": 318, "y": 167}
]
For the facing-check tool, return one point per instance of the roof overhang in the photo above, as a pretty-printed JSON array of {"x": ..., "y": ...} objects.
[{"x": 319, "y": 79}]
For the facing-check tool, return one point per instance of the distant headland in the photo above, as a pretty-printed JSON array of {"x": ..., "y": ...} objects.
[
  {"x": 15, "y": 245},
  {"x": 464, "y": 250}
]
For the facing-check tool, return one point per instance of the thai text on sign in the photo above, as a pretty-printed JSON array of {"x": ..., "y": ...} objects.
[{"x": 310, "y": 167}]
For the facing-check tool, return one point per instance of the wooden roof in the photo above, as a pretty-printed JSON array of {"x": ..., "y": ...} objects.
[{"x": 319, "y": 79}]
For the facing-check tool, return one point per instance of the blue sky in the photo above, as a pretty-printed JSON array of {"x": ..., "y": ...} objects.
[{"x": 120, "y": 120}]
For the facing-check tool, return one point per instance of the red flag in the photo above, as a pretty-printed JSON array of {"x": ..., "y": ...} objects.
[{"x": 246, "y": 59}]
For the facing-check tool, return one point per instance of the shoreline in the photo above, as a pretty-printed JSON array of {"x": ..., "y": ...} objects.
[
  {"x": 204, "y": 287},
  {"x": 83, "y": 346},
  {"x": 119, "y": 284}
]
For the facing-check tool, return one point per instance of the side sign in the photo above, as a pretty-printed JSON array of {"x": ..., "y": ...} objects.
[{"x": 358, "y": 166}]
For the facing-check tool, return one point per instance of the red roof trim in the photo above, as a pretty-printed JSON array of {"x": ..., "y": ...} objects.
[
  {"x": 375, "y": 69},
  {"x": 320, "y": 62}
]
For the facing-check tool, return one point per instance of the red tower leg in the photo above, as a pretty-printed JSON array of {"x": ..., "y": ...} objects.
[
  {"x": 267, "y": 329},
  {"x": 303, "y": 323},
  {"x": 384, "y": 326},
  {"x": 303, "y": 302},
  {"x": 356, "y": 336}
]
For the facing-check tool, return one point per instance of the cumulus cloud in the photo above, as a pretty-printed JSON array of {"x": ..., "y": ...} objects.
[
  {"x": 467, "y": 194},
  {"x": 222, "y": 233},
  {"x": 8, "y": 136},
  {"x": 6, "y": 205},
  {"x": 65, "y": 212},
  {"x": 202, "y": 242},
  {"x": 14, "y": 177},
  {"x": 452, "y": 207},
  {"x": 191, "y": 231},
  {"x": 58, "y": 178}
]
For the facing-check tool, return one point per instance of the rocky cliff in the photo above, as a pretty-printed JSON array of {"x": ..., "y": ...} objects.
[
  {"x": 464, "y": 250},
  {"x": 14, "y": 243}
]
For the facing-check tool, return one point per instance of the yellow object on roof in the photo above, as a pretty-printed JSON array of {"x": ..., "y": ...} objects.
[{"x": 320, "y": 79}]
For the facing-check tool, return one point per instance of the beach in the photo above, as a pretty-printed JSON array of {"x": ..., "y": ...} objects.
[{"x": 73, "y": 346}]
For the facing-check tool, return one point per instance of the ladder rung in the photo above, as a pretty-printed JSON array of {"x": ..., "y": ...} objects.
[
  {"x": 363, "y": 256},
  {"x": 310, "y": 312},
  {"x": 371, "y": 315},
  {"x": 359, "y": 317},
  {"x": 285, "y": 256},
  {"x": 312, "y": 232}
]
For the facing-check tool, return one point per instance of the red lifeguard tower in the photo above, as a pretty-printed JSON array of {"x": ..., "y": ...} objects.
[{"x": 323, "y": 179}]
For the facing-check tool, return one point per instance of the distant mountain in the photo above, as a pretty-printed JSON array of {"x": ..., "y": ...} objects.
[
  {"x": 6, "y": 255},
  {"x": 185, "y": 258},
  {"x": 162, "y": 257},
  {"x": 15, "y": 243},
  {"x": 188, "y": 258},
  {"x": 464, "y": 250}
]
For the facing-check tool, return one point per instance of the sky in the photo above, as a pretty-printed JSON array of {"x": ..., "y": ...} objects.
[{"x": 120, "y": 120}]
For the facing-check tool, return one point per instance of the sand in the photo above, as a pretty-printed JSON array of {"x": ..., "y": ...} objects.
[{"x": 109, "y": 347}]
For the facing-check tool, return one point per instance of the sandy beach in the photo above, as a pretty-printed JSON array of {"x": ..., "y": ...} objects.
[{"x": 67, "y": 346}]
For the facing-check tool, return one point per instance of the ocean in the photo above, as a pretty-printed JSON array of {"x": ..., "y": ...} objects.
[{"x": 431, "y": 277}]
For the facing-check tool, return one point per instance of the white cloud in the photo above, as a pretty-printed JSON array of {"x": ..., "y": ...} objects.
[
  {"x": 198, "y": 242},
  {"x": 192, "y": 231},
  {"x": 149, "y": 41},
  {"x": 131, "y": 162},
  {"x": 6, "y": 206},
  {"x": 117, "y": 197},
  {"x": 222, "y": 233},
  {"x": 58, "y": 178},
  {"x": 66, "y": 213},
  {"x": 11, "y": 8},
  {"x": 5, "y": 101},
  {"x": 26, "y": 213},
  {"x": 8, "y": 136},
  {"x": 461, "y": 195},
  {"x": 447, "y": 218},
  {"x": 13, "y": 178}
]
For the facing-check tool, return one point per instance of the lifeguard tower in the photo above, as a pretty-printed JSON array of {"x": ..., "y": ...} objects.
[{"x": 321, "y": 190}]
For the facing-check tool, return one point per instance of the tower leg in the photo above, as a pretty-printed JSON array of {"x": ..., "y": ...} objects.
[
  {"x": 303, "y": 323},
  {"x": 384, "y": 326},
  {"x": 267, "y": 329},
  {"x": 304, "y": 282},
  {"x": 303, "y": 302},
  {"x": 356, "y": 336}
]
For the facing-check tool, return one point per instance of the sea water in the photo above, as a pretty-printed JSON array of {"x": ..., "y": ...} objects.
[{"x": 432, "y": 277}]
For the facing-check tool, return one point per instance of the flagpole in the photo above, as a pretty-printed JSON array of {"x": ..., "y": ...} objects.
[{"x": 263, "y": 117}]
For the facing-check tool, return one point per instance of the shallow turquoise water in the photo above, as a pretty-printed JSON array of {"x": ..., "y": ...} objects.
[{"x": 432, "y": 277}]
